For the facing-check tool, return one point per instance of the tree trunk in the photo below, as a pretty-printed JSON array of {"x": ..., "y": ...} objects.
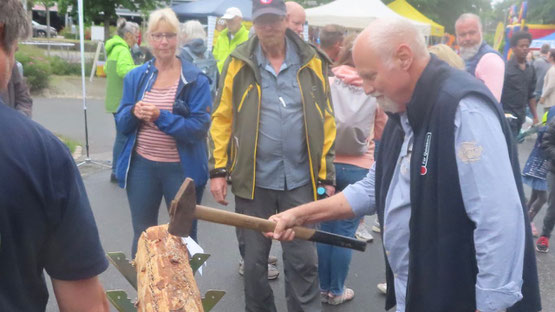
[
  {"x": 165, "y": 281},
  {"x": 106, "y": 26},
  {"x": 47, "y": 26}
]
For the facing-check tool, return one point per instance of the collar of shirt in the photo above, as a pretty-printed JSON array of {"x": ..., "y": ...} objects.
[
  {"x": 291, "y": 57},
  {"x": 514, "y": 63},
  {"x": 404, "y": 119}
]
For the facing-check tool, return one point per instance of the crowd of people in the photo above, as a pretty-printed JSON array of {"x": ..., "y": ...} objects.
[{"x": 373, "y": 123}]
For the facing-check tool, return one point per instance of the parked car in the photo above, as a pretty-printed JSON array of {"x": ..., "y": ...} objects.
[{"x": 40, "y": 30}]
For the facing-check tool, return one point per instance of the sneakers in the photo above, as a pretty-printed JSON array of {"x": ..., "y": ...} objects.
[
  {"x": 324, "y": 296},
  {"x": 382, "y": 287},
  {"x": 534, "y": 230},
  {"x": 542, "y": 245},
  {"x": 348, "y": 294},
  {"x": 113, "y": 178},
  {"x": 376, "y": 226},
  {"x": 363, "y": 234},
  {"x": 273, "y": 271}
]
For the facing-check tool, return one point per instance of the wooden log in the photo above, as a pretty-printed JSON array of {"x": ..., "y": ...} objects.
[{"x": 165, "y": 280}]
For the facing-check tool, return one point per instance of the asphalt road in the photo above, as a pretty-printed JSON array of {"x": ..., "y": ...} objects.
[{"x": 110, "y": 206}]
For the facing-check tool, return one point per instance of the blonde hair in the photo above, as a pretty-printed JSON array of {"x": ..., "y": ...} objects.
[
  {"x": 167, "y": 16},
  {"x": 446, "y": 54}
]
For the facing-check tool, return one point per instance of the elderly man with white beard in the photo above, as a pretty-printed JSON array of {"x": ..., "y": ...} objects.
[
  {"x": 445, "y": 185},
  {"x": 481, "y": 60}
]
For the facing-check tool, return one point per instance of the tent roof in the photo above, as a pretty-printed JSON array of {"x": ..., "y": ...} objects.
[
  {"x": 537, "y": 43},
  {"x": 402, "y": 7},
  {"x": 203, "y": 8},
  {"x": 353, "y": 14}
]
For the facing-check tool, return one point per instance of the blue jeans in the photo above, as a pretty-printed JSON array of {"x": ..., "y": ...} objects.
[
  {"x": 147, "y": 182},
  {"x": 333, "y": 262},
  {"x": 118, "y": 146}
]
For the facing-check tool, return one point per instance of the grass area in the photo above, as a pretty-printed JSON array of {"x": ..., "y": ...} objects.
[
  {"x": 71, "y": 144},
  {"x": 37, "y": 67}
]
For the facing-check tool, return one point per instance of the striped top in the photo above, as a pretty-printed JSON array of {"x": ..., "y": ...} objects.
[{"x": 152, "y": 143}]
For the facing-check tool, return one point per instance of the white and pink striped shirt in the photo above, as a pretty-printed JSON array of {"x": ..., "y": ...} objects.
[{"x": 152, "y": 143}]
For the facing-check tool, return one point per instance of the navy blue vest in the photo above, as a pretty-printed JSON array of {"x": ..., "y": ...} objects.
[
  {"x": 470, "y": 65},
  {"x": 442, "y": 258}
]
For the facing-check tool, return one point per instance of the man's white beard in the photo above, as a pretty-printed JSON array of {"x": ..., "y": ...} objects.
[
  {"x": 386, "y": 103},
  {"x": 468, "y": 53}
]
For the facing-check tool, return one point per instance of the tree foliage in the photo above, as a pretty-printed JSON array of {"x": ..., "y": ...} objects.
[
  {"x": 92, "y": 9},
  {"x": 446, "y": 12}
]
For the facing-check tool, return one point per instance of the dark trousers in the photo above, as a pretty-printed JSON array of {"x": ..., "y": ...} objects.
[
  {"x": 516, "y": 125},
  {"x": 300, "y": 261},
  {"x": 549, "y": 220}
]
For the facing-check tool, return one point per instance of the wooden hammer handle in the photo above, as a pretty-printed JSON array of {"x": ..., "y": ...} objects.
[{"x": 263, "y": 225}]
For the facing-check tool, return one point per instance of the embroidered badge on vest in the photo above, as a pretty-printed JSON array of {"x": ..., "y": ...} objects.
[{"x": 424, "y": 167}]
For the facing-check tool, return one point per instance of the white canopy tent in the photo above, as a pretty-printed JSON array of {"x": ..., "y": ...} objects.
[{"x": 356, "y": 14}]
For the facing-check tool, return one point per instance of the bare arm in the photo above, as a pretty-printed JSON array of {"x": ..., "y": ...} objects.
[
  {"x": 331, "y": 208},
  {"x": 532, "y": 104},
  {"x": 80, "y": 296}
]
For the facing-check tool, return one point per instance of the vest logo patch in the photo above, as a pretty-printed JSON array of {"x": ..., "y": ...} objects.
[
  {"x": 470, "y": 152},
  {"x": 424, "y": 167}
]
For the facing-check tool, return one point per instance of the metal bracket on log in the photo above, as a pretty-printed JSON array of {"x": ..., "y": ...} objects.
[
  {"x": 122, "y": 303},
  {"x": 124, "y": 266},
  {"x": 211, "y": 298}
]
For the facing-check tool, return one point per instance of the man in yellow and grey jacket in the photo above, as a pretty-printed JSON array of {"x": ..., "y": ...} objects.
[{"x": 272, "y": 135}]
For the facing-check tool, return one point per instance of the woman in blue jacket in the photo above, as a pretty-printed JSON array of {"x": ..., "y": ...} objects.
[{"x": 165, "y": 114}]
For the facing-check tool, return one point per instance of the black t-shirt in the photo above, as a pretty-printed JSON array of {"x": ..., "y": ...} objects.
[{"x": 45, "y": 218}]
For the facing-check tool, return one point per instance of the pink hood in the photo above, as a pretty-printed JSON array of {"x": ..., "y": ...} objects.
[{"x": 348, "y": 75}]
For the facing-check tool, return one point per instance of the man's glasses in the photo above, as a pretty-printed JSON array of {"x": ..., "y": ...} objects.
[{"x": 160, "y": 36}]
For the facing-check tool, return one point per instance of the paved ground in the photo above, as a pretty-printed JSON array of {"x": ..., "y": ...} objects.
[{"x": 65, "y": 116}]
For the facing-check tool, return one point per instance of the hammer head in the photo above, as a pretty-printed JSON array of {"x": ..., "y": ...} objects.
[{"x": 182, "y": 209}]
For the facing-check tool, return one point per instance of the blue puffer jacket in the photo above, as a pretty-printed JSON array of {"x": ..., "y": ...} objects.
[{"x": 188, "y": 123}]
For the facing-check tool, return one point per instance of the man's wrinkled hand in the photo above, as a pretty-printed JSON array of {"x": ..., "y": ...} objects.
[
  {"x": 283, "y": 231},
  {"x": 330, "y": 190},
  {"x": 218, "y": 188}
]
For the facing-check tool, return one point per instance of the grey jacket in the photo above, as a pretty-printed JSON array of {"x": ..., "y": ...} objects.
[{"x": 17, "y": 94}]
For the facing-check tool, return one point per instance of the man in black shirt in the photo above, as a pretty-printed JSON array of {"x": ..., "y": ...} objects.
[
  {"x": 46, "y": 222},
  {"x": 520, "y": 83}
]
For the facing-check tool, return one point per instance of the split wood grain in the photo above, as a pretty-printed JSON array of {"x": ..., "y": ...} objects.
[{"x": 165, "y": 280}]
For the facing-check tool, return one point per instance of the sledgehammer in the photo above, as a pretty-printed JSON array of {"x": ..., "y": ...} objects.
[{"x": 184, "y": 210}]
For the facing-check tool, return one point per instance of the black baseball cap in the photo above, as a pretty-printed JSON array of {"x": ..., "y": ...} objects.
[{"x": 261, "y": 7}]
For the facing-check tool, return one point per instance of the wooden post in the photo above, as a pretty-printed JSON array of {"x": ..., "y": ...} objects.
[
  {"x": 165, "y": 281},
  {"x": 95, "y": 61}
]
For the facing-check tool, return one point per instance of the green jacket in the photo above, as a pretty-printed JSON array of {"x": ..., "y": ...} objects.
[
  {"x": 224, "y": 47},
  {"x": 119, "y": 63},
  {"x": 236, "y": 117}
]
